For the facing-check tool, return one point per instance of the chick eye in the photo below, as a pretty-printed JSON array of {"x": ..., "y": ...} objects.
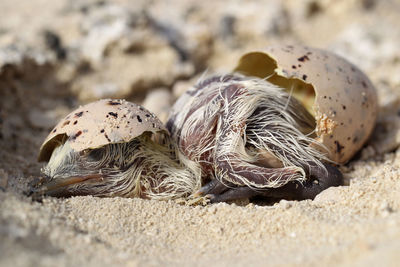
[{"x": 95, "y": 154}]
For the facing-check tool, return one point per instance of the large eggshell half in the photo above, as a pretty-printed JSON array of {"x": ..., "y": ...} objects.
[
  {"x": 339, "y": 95},
  {"x": 100, "y": 123}
]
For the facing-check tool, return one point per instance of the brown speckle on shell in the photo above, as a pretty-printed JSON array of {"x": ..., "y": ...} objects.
[
  {"x": 106, "y": 136},
  {"x": 114, "y": 103},
  {"x": 339, "y": 147},
  {"x": 79, "y": 114},
  {"x": 303, "y": 58},
  {"x": 364, "y": 84},
  {"x": 115, "y": 115},
  {"x": 76, "y": 135}
]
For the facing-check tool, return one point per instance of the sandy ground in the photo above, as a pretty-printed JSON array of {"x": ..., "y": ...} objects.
[{"x": 55, "y": 55}]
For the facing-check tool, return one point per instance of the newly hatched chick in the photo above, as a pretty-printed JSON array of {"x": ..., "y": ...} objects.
[
  {"x": 250, "y": 137},
  {"x": 244, "y": 136},
  {"x": 112, "y": 148}
]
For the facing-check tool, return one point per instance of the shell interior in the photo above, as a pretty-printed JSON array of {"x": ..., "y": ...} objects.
[{"x": 263, "y": 66}]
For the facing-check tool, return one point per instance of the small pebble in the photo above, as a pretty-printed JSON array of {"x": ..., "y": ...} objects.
[{"x": 159, "y": 102}]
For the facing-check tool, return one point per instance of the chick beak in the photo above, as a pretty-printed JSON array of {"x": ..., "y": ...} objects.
[{"x": 59, "y": 187}]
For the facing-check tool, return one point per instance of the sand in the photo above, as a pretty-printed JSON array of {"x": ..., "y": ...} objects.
[{"x": 353, "y": 225}]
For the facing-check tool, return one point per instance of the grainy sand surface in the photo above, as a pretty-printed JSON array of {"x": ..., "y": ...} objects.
[{"x": 167, "y": 48}]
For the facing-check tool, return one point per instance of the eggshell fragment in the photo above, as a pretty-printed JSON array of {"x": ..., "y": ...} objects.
[
  {"x": 339, "y": 95},
  {"x": 99, "y": 123}
]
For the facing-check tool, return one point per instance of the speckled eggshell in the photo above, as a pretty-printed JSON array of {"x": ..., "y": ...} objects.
[
  {"x": 100, "y": 123},
  {"x": 345, "y": 105}
]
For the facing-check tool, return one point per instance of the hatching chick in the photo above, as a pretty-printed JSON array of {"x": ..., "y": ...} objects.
[
  {"x": 250, "y": 137},
  {"x": 112, "y": 148}
]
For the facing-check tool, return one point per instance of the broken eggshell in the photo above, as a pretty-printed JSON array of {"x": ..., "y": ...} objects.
[
  {"x": 100, "y": 123},
  {"x": 337, "y": 93}
]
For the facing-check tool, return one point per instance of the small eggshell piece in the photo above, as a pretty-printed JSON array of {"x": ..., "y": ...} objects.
[
  {"x": 344, "y": 99},
  {"x": 103, "y": 122}
]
